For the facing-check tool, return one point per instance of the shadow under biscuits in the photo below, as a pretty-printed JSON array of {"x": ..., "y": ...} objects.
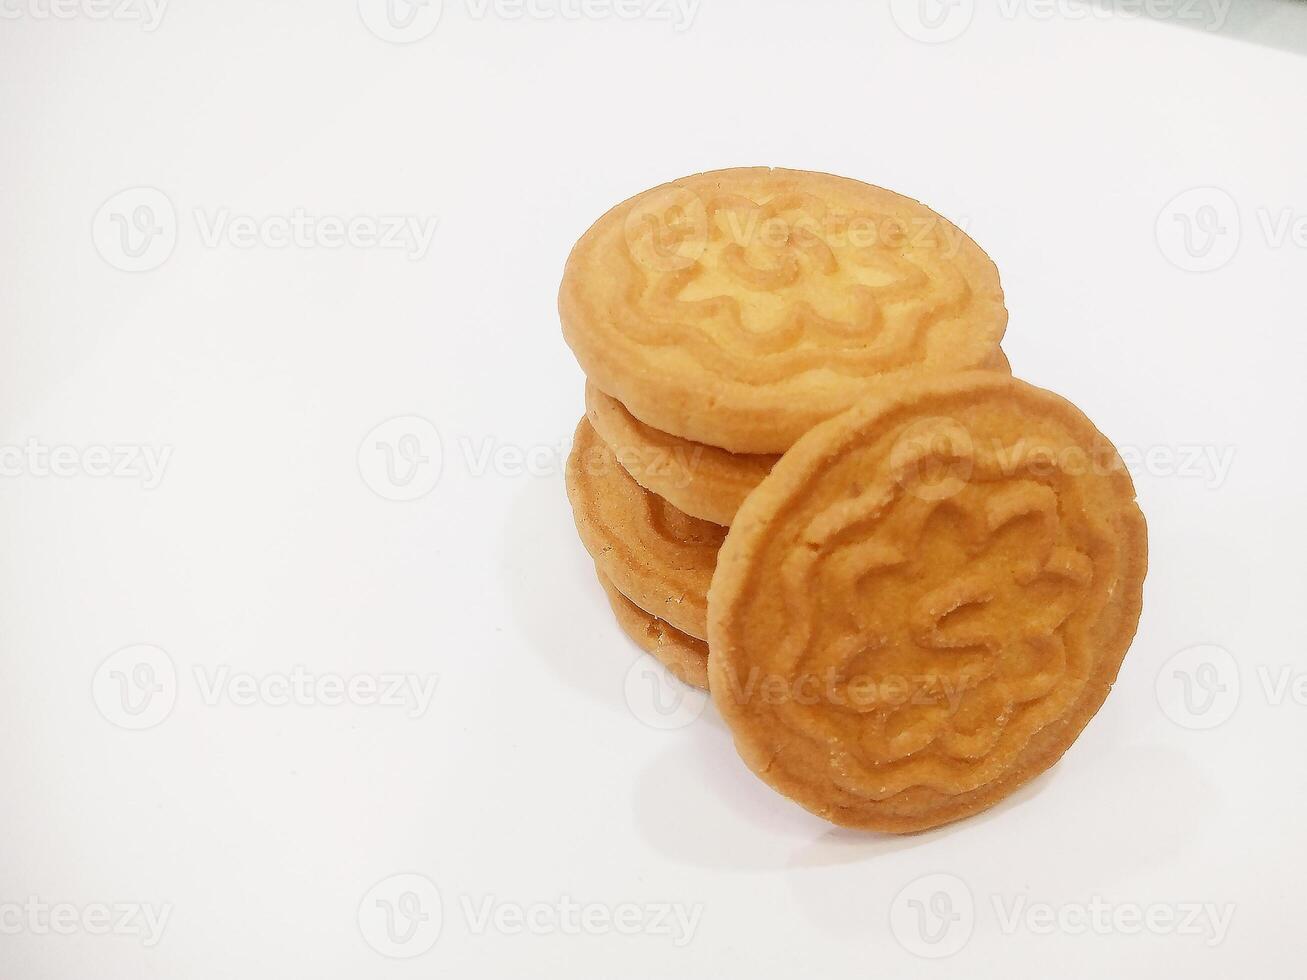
[
  {"x": 1134, "y": 807},
  {"x": 701, "y": 806},
  {"x": 556, "y": 601},
  {"x": 1045, "y": 817},
  {"x": 698, "y": 804},
  {"x": 742, "y": 824}
]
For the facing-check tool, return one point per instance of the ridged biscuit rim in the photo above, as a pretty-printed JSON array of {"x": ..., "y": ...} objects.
[
  {"x": 668, "y": 593},
  {"x": 702, "y": 480},
  {"x": 684, "y": 656},
  {"x": 736, "y": 573}
]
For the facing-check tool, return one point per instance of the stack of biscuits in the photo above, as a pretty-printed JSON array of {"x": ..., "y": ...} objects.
[{"x": 805, "y": 475}]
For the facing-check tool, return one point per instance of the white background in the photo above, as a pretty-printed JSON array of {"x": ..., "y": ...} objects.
[{"x": 541, "y": 770}]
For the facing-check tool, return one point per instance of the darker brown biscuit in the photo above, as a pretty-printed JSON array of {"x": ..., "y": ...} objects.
[
  {"x": 926, "y": 601},
  {"x": 657, "y": 556}
]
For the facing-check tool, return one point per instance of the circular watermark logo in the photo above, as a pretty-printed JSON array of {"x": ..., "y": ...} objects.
[
  {"x": 933, "y": 458},
  {"x": 402, "y": 458},
  {"x": 136, "y": 687},
  {"x": 667, "y": 229},
  {"x": 1199, "y": 229},
  {"x": 401, "y": 916},
  {"x": 933, "y": 916},
  {"x": 933, "y": 21},
  {"x": 658, "y": 699},
  {"x": 136, "y": 229},
  {"x": 401, "y": 21},
  {"x": 1199, "y": 687}
]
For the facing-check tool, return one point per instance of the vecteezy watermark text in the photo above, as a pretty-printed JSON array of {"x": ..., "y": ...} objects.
[
  {"x": 935, "y": 456},
  {"x": 299, "y": 228},
  {"x": 136, "y": 688},
  {"x": 41, "y": 918},
  {"x": 661, "y": 702},
  {"x": 305, "y": 688},
  {"x": 935, "y": 916},
  {"x": 679, "y": 13},
  {"x": 36, "y": 459},
  {"x": 670, "y": 230},
  {"x": 568, "y": 917},
  {"x": 407, "y": 21},
  {"x": 404, "y": 459},
  {"x": 148, "y": 13},
  {"x": 1209, "y": 922},
  {"x": 940, "y": 21},
  {"x": 136, "y": 230},
  {"x": 403, "y": 916}
]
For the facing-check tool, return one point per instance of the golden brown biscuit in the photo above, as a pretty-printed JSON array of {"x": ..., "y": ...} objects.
[
  {"x": 657, "y": 556},
  {"x": 684, "y": 655},
  {"x": 702, "y": 480},
  {"x": 926, "y": 601},
  {"x": 738, "y": 308}
]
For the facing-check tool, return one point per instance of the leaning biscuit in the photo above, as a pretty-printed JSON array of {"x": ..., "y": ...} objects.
[
  {"x": 739, "y": 308},
  {"x": 926, "y": 601},
  {"x": 702, "y": 480},
  {"x": 658, "y": 557},
  {"x": 685, "y": 656}
]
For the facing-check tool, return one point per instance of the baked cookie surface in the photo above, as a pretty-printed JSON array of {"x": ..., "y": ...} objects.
[
  {"x": 657, "y": 556},
  {"x": 704, "y": 481},
  {"x": 926, "y": 601},
  {"x": 682, "y": 654},
  {"x": 740, "y": 307}
]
